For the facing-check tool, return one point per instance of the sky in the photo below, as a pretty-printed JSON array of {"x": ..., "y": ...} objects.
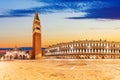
[{"x": 61, "y": 21}]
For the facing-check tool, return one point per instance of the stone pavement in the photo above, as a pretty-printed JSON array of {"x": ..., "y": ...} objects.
[{"x": 55, "y": 69}]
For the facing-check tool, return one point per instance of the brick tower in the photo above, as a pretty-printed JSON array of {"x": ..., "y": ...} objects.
[{"x": 36, "y": 35}]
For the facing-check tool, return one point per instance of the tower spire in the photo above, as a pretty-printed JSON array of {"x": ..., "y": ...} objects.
[{"x": 36, "y": 15}]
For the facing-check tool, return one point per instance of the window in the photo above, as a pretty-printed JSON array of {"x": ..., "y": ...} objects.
[
  {"x": 98, "y": 44},
  {"x": 86, "y": 44},
  {"x": 95, "y": 44},
  {"x": 101, "y": 44},
  {"x": 80, "y": 44},
  {"x": 37, "y": 28},
  {"x": 92, "y": 44},
  {"x": 83, "y": 44},
  {"x": 104, "y": 44},
  {"x": 74, "y": 44},
  {"x": 89, "y": 44},
  {"x": 77, "y": 44}
]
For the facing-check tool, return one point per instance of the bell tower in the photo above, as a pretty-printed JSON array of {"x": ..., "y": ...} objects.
[
  {"x": 36, "y": 35},
  {"x": 15, "y": 48}
]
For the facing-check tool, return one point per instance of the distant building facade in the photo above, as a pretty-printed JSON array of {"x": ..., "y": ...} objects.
[
  {"x": 84, "y": 49},
  {"x": 15, "y": 54}
]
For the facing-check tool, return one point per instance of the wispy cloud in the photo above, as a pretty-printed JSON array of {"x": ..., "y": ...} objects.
[
  {"x": 49, "y": 8},
  {"x": 102, "y": 13},
  {"x": 110, "y": 11},
  {"x": 117, "y": 28},
  {"x": 98, "y": 28},
  {"x": 9, "y": 16},
  {"x": 94, "y": 9},
  {"x": 94, "y": 28}
]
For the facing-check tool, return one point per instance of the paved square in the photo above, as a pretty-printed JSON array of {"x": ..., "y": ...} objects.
[{"x": 55, "y": 69}]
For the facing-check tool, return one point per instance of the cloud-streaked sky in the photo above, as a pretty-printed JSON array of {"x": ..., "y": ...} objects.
[{"x": 61, "y": 20}]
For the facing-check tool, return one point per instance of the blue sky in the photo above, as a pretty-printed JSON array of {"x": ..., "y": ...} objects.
[
  {"x": 106, "y": 9},
  {"x": 60, "y": 19}
]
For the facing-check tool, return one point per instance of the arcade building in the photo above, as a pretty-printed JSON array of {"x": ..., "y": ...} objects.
[{"x": 84, "y": 49}]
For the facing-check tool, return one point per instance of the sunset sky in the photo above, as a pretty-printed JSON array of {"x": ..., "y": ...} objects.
[{"x": 61, "y": 21}]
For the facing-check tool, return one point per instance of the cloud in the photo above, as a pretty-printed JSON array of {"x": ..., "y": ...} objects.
[
  {"x": 94, "y": 28},
  {"x": 65, "y": 1},
  {"x": 9, "y": 16},
  {"x": 51, "y": 8},
  {"x": 94, "y": 9},
  {"x": 98, "y": 28},
  {"x": 16, "y": 13},
  {"x": 117, "y": 28},
  {"x": 102, "y": 13},
  {"x": 109, "y": 11}
]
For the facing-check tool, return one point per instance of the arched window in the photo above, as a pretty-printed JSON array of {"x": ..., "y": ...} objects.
[
  {"x": 67, "y": 45},
  {"x": 95, "y": 44},
  {"x": 92, "y": 44},
  {"x": 77, "y": 44},
  {"x": 98, "y": 44},
  {"x": 89, "y": 44},
  {"x": 101, "y": 44},
  {"x": 114, "y": 45},
  {"x": 86, "y": 44},
  {"x": 80, "y": 44},
  {"x": 104, "y": 44},
  {"x": 74, "y": 44},
  {"x": 83, "y": 44},
  {"x": 110, "y": 45}
]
